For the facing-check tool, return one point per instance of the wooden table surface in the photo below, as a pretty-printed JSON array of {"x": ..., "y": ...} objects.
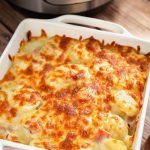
[{"x": 134, "y": 15}]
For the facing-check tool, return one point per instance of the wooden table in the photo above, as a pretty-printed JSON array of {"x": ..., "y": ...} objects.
[{"x": 134, "y": 15}]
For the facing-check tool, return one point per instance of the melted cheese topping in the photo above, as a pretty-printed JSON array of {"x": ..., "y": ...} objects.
[
  {"x": 67, "y": 94},
  {"x": 110, "y": 144}
]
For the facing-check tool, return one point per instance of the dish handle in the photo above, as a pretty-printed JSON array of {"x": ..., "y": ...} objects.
[{"x": 92, "y": 22}]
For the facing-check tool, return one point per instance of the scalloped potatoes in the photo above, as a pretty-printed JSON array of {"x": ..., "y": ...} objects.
[{"x": 62, "y": 93}]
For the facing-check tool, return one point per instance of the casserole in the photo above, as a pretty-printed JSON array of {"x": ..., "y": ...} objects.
[{"x": 67, "y": 30}]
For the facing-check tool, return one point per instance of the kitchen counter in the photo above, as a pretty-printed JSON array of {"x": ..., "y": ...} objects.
[{"x": 134, "y": 15}]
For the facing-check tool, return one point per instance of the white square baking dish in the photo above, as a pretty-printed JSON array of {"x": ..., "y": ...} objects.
[{"x": 59, "y": 26}]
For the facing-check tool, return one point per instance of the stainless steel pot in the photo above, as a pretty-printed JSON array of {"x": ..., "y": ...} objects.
[{"x": 59, "y": 6}]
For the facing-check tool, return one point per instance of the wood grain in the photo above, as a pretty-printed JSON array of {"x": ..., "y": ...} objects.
[
  {"x": 9, "y": 17},
  {"x": 134, "y": 15},
  {"x": 5, "y": 36}
]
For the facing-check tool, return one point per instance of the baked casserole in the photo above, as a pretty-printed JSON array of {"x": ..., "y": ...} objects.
[{"x": 62, "y": 93}]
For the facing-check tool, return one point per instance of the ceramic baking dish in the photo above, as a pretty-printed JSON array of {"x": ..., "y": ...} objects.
[{"x": 77, "y": 26}]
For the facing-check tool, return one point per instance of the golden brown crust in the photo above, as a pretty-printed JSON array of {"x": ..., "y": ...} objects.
[{"x": 66, "y": 94}]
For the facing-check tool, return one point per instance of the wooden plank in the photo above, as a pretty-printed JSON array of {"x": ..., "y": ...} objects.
[
  {"x": 9, "y": 16},
  {"x": 5, "y": 36},
  {"x": 134, "y": 15}
]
